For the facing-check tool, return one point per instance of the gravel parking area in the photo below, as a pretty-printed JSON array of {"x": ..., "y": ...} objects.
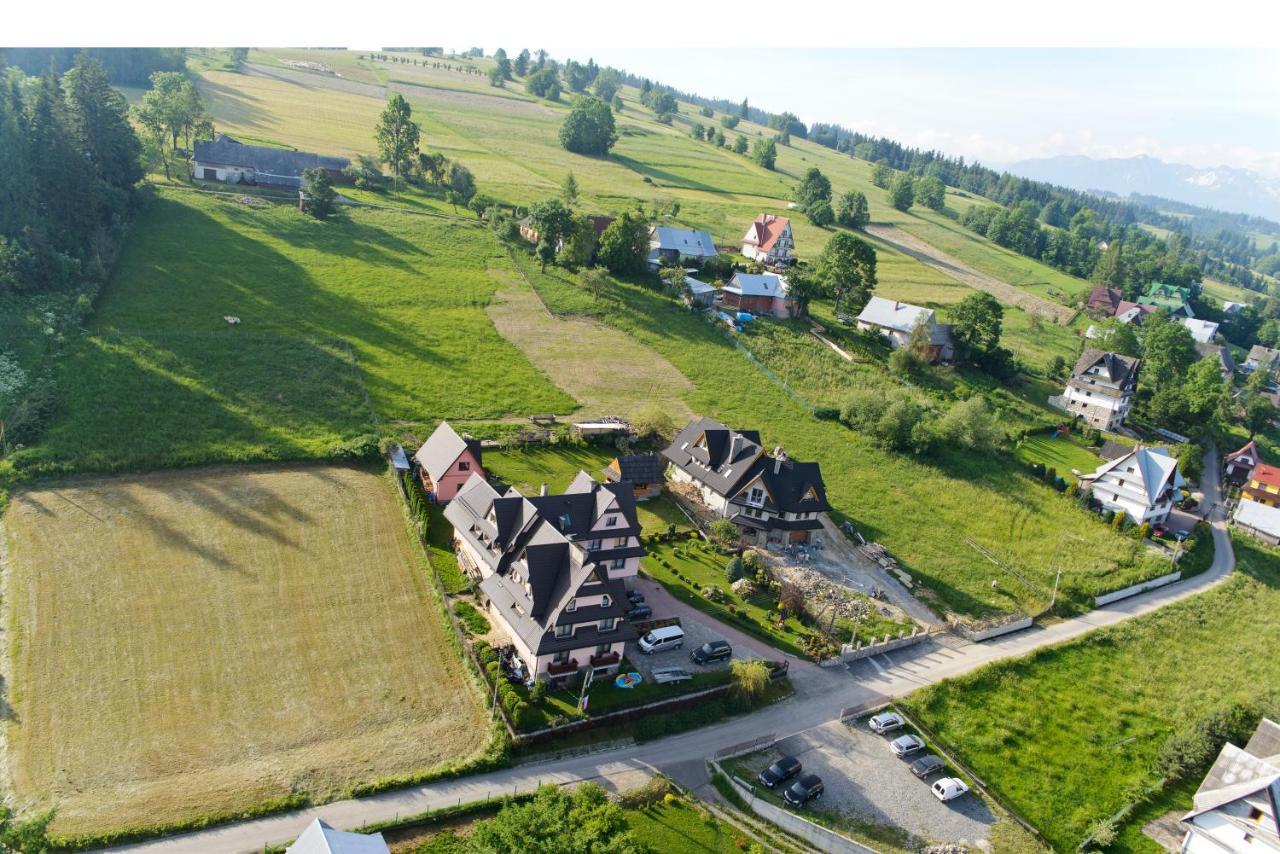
[
  {"x": 695, "y": 635},
  {"x": 866, "y": 782}
]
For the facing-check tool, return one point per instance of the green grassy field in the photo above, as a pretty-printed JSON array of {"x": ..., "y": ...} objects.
[
  {"x": 1090, "y": 715},
  {"x": 378, "y": 309},
  {"x": 1063, "y": 454},
  {"x": 231, "y": 636}
]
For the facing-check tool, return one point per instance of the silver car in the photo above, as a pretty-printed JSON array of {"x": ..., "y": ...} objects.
[
  {"x": 885, "y": 722},
  {"x": 905, "y": 745}
]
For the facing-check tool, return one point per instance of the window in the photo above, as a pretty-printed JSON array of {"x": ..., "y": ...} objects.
[
  {"x": 619, "y": 543},
  {"x": 610, "y": 521},
  {"x": 463, "y": 465},
  {"x": 617, "y": 563},
  {"x": 560, "y": 657},
  {"x": 607, "y": 624},
  {"x": 572, "y": 606},
  {"x": 605, "y": 601},
  {"x": 593, "y": 545},
  {"x": 603, "y": 648},
  {"x": 564, "y": 631},
  {"x": 756, "y": 496}
]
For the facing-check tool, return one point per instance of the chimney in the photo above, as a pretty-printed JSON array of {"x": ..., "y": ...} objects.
[
  {"x": 896, "y": 305},
  {"x": 779, "y": 457},
  {"x": 542, "y": 490}
]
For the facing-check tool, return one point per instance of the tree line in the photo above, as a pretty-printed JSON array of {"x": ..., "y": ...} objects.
[{"x": 124, "y": 66}]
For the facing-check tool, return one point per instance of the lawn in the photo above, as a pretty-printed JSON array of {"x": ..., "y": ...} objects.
[
  {"x": 1091, "y": 714},
  {"x": 556, "y": 466},
  {"x": 371, "y": 318},
  {"x": 681, "y": 826},
  {"x": 230, "y": 636},
  {"x": 1065, "y": 454}
]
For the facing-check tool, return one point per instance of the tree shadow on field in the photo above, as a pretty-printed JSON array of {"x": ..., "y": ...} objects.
[
  {"x": 234, "y": 106},
  {"x": 669, "y": 178},
  {"x": 140, "y": 514}
]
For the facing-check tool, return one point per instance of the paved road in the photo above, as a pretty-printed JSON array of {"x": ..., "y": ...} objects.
[{"x": 820, "y": 695}]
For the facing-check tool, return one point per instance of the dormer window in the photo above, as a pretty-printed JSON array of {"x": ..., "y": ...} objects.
[
  {"x": 756, "y": 496},
  {"x": 464, "y": 465},
  {"x": 605, "y": 601},
  {"x": 564, "y": 631},
  {"x": 572, "y": 606},
  {"x": 610, "y": 521}
]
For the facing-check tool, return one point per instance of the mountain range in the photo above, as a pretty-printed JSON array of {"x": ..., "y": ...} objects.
[{"x": 1223, "y": 188}]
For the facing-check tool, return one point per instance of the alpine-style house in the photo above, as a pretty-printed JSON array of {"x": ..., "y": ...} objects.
[
  {"x": 1142, "y": 484},
  {"x": 1101, "y": 388},
  {"x": 773, "y": 499},
  {"x": 551, "y": 569}
]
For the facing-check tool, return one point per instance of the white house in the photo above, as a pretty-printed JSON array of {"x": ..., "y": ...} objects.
[
  {"x": 1237, "y": 807},
  {"x": 1143, "y": 484},
  {"x": 321, "y": 838},
  {"x": 230, "y": 161},
  {"x": 769, "y": 241},
  {"x": 1201, "y": 330},
  {"x": 1258, "y": 520},
  {"x": 895, "y": 320},
  {"x": 1100, "y": 389},
  {"x": 552, "y": 569}
]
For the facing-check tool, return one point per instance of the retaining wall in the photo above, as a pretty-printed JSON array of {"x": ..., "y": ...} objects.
[
  {"x": 858, "y": 652},
  {"x": 1134, "y": 590},
  {"x": 977, "y": 635}
]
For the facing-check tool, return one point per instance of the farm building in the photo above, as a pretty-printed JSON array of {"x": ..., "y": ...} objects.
[
  {"x": 769, "y": 241},
  {"x": 772, "y": 499},
  {"x": 1101, "y": 388},
  {"x": 321, "y": 838},
  {"x": 895, "y": 320},
  {"x": 1259, "y": 521},
  {"x": 642, "y": 471},
  {"x": 1239, "y": 465},
  {"x": 232, "y": 162},
  {"x": 758, "y": 293},
  {"x": 1263, "y": 485},
  {"x": 1237, "y": 807},
  {"x": 552, "y": 569},
  {"x": 678, "y": 245},
  {"x": 447, "y": 461},
  {"x": 1142, "y": 484}
]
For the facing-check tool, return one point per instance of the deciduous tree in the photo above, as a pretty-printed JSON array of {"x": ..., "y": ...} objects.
[
  {"x": 317, "y": 187},
  {"x": 624, "y": 245},
  {"x": 976, "y": 325},
  {"x": 853, "y": 211},
  {"x": 589, "y": 127},
  {"x": 902, "y": 192},
  {"x": 397, "y": 135},
  {"x": 846, "y": 267}
]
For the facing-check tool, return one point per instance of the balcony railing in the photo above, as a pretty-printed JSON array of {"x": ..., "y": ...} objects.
[
  {"x": 605, "y": 660},
  {"x": 557, "y": 668}
]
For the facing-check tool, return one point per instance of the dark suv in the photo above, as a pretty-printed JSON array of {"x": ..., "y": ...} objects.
[
  {"x": 807, "y": 788},
  {"x": 780, "y": 771},
  {"x": 638, "y": 611},
  {"x": 712, "y": 651}
]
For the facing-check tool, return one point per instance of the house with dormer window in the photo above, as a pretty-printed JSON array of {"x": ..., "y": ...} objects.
[
  {"x": 552, "y": 569},
  {"x": 1101, "y": 388},
  {"x": 771, "y": 498},
  {"x": 1143, "y": 484},
  {"x": 446, "y": 461}
]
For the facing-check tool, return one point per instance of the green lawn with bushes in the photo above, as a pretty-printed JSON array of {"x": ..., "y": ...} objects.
[
  {"x": 1062, "y": 454},
  {"x": 1110, "y": 715}
]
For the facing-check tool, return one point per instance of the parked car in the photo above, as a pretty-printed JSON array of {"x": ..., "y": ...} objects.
[
  {"x": 639, "y": 611},
  {"x": 949, "y": 788},
  {"x": 926, "y": 765},
  {"x": 885, "y": 722},
  {"x": 662, "y": 639},
  {"x": 1159, "y": 531},
  {"x": 905, "y": 745},
  {"x": 784, "y": 769},
  {"x": 667, "y": 675},
  {"x": 635, "y": 597},
  {"x": 710, "y": 651},
  {"x": 807, "y": 788}
]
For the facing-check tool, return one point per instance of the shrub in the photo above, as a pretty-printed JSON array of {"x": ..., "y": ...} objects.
[
  {"x": 752, "y": 562},
  {"x": 472, "y": 620},
  {"x": 538, "y": 692},
  {"x": 733, "y": 569},
  {"x": 1144, "y": 530},
  {"x": 713, "y": 593},
  {"x": 656, "y": 789},
  {"x": 724, "y": 533}
]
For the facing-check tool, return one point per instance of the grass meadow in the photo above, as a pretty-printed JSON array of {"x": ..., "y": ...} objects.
[
  {"x": 373, "y": 317},
  {"x": 1090, "y": 715},
  {"x": 232, "y": 636}
]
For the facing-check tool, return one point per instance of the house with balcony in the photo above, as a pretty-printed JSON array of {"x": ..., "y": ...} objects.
[
  {"x": 1101, "y": 388},
  {"x": 769, "y": 241},
  {"x": 446, "y": 461},
  {"x": 1263, "y": 485},
  {"x": 1239, "y": 464},
  {"x": 772, "y": 499},
  {"x": 1237, "y": 807},
  {"x": 552, "y": 569},
  {"x": 1143, "y": 484}
]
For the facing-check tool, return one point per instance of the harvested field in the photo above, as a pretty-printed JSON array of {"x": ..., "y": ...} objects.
[
  {"x": 197, "y": 642},
  {"x": 961, "y": 272},
  {"x": 605, "y": 370}
]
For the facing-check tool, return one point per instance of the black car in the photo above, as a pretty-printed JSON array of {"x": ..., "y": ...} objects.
[
  {"x": 635, "y": 597},
  {"x": 784, "y": 769},
  {"x": 639, "y": 611},
  {"x": 712, "y": 651},
  {"x": 926, "y": 765},
  {"x": 807, "y": 788}
]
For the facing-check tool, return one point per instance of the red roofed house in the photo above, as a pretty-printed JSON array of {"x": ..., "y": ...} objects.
[
  {"x": 1240, "y": 464},
  {"x": 447, "y": 461},
  {"x": 768, "y": 240},
  {"x": 1263, "y": 486},
  {"x": 1103, "y": 300}
]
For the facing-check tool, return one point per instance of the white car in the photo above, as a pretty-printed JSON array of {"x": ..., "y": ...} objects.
[
  {"x": 885, "y": 722},
  {"x": 905, "y": 745},
  {"x": 949, "y": 788}
]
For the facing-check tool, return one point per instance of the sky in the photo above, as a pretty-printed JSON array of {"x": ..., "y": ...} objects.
[{"x": 1202, "y": 107}]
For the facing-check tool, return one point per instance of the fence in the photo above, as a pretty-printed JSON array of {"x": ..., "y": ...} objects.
[{"x": 858, "y": 651}]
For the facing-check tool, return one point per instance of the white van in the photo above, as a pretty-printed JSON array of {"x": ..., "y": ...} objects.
[{"x": 661, "y": 640}]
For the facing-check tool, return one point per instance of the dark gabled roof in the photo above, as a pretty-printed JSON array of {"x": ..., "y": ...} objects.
[
  {"x": 573, "y": 512},
  {"x": 635, "y": 468},
  {"x": 1103, "y": 296},
  {"x": 1117, "y": 368},
  {"x": 721, "y": 460},
  {"x": 269, "y": 163},
  {"x": 790, "y": 486}
]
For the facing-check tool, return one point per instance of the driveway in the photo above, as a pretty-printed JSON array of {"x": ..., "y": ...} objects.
[{"x": 866, "y": 781}]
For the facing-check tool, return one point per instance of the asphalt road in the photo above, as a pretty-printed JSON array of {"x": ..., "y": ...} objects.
[{"x": 820, "y": 696}]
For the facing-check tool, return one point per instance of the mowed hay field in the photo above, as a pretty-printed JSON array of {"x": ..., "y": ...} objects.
[{"x": 194, "y": 643}]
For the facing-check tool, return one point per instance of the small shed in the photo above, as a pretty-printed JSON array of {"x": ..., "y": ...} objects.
[
  {"x": 601, "y": 427},
  {"x": 642, "y": 471},
  {"x": 701, "y": 294}
]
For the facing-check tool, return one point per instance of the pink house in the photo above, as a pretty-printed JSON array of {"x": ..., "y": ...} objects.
[{"x": 447, "y": 461}]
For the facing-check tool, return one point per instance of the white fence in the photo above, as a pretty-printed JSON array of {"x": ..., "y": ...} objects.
[
  {"x": 1134, "y": 590},
  {"x": 858, "y": 651}
]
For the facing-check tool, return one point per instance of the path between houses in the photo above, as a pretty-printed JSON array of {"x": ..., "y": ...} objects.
[
  {"x": 923, "y": 252},
  {"x": 821, "y": 695}
]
